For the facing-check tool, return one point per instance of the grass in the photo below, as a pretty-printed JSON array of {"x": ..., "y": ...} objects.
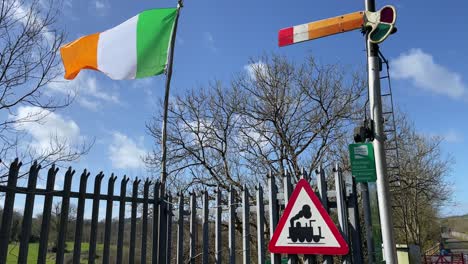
[
  {"x": 13, "y": 252},
  {"x": 33, "y": 252}
]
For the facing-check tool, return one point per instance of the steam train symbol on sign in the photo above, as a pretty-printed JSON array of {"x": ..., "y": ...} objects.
[{"x": 304, "y": 233}]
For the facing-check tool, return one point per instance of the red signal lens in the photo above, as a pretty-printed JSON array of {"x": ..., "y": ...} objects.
[{"x": 387, "y": 15}]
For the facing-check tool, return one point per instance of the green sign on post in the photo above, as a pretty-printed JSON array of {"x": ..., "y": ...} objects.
[{"x": 363, "y": 162}]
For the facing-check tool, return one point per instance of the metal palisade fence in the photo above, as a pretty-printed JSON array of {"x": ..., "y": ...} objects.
[{"x": 241, "y": 223}]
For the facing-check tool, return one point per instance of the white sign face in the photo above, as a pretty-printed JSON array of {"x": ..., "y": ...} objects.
[
  {"x": 305, "y": 227},
  {"x": 361, "y": 152}
]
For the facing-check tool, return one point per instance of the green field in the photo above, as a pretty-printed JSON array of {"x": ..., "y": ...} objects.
[{"x": 13, "y": 251}]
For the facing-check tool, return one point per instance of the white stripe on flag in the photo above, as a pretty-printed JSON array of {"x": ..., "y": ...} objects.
[
  {"x": 301, "y": 33},
  {"x": 117, "y": 50}
]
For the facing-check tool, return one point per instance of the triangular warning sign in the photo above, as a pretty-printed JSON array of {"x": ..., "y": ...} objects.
[{"x": 305, "y": 227}]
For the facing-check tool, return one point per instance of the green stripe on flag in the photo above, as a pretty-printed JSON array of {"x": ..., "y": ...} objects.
[
  {"x": 380, "y": 32},
  {"x": 154, "y": 30}
]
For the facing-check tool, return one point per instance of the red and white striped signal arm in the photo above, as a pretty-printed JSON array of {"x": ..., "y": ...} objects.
[{"x": 321, "y": 28}]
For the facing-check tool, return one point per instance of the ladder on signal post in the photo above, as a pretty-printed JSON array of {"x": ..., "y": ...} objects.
[
  {"x": 390, "y": 131},
  {"x": 391, "y": 140}
]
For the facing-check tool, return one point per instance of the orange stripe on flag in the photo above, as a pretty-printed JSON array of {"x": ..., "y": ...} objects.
[
  {"x": 335, "y": 25},
  {"x": 80, "y": 54}
]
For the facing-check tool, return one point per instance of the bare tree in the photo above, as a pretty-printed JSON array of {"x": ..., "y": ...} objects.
[
  {"x": 29, "y": 45},
  {"x": 299, "y": 111},
  {"x": 279, "y": 116},
  {"x": 55, "y": 220},
  {"x": 423, "y": 185}
]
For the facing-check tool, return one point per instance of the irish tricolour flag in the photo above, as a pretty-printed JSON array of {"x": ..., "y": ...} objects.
[{"x": 136, "y": 48}]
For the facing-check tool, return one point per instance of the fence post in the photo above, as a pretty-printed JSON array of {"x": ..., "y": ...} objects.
[
  {"x": 368, "y": 222},
  {"x": 232, "y": 228},
  {"x": 193, "y": 227},
  {"x": 64, "y": 216},
  {"x": 322, "y": 188},
  {"x": 180, "y": 230},
  {"x": 8, "y": 209},
  {"x": 169, "y": 229},
  {"x": 162, "y": 242},
  {"x": 94, "y": 218},
  {"x": 246, "y": 225},
  {"x": 46, "y": 213},
  {"x": 274, "y": 213},
  {"x": 260, "y": 225},
  {"x": 308, "y": 259},
  {"x": 79, "y": 218},
  {"x": 120, "y": 236},
  {"x": 218, "y": 240},
  {"x": 287, "y": 189},
  {"x": 144, "y": 229},
  {"x": 353, "y": 212},
  {"x": 27, "y": 215},
  {"x": 108, "y": 222},
  {"x": 342, "y": 208},
  {"x": 131, "y": 255},
  {"x": 154, "y": 257},
  {"x": 205, "y": 227}
]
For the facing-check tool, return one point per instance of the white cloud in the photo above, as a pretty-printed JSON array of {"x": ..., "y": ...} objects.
[
  {"x": 101, "y": 6},
  {"x": 425, "y": 73},
  {"x": 453, "y": 136},
  {"x": 89, "y": 94},
  {"x": 256, "y": 68},
  {"x": 29, "y": 15},
  {"x": 449, "y": 136},
  {"x": 125, "y": 153},
  {"x": 50, "y": 126},
  {"x": 209, "y": 41}
]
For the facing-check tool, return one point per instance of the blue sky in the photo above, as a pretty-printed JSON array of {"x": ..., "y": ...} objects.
[{"x": 216, "y": 39}]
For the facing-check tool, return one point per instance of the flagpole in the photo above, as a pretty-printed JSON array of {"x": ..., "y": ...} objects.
[{"x": 166, "y": 102}]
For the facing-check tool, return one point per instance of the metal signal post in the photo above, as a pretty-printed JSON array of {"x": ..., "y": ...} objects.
[{"x": 375, "y": 103}]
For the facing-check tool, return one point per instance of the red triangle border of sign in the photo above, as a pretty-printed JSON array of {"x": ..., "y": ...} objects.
[{"x": 343, "y": 246}]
